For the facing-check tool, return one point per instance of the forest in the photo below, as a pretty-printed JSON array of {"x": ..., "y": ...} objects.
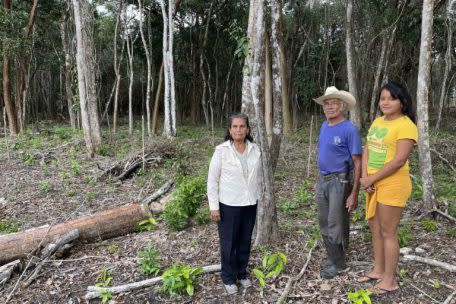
[{"x": 111, "y": 111}]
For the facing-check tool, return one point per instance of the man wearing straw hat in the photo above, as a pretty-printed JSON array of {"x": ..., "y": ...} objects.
[{"x": 339, "y": 162}]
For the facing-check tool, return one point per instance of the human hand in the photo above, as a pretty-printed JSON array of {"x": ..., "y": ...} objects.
[
  {"x": 365, "y": 182},
  {"x": 215, "y": 215},
  {"x": 352, "y": 202},
  {"x": 371, "y": 189}
]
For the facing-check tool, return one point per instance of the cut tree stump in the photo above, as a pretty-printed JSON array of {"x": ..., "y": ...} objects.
[{"x": 99, "y": 226}]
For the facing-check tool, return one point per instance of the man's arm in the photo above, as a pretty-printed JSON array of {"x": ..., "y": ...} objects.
[{"x": 352, "y": 199}]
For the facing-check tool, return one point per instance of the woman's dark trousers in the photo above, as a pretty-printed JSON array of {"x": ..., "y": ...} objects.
[{"x": 235, "y": 232}]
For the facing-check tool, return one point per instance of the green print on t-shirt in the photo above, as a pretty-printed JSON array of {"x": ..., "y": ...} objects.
[{"x": 377, "y": 150}]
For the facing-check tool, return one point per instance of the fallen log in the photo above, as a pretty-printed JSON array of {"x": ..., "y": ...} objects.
[
  {"x": 99, "y": 226},
  {"x": 94, "y": 292}
]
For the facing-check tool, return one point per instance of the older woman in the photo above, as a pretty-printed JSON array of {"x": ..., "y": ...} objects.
[{"x": 232, "y": 190}]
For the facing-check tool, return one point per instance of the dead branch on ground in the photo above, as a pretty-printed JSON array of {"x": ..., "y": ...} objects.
[
  {"x": 94, "y": 292},
  {"x": 432, "y": 262},
  {"x": 297, "y": 277},
  {"x": 7, "y": 270},
  {"x": 48, "y": 251}
]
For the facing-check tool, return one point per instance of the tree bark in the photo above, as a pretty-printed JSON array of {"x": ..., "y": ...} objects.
[
  {"x": 86, "y": 75},
  {"x": 68, "y": 67},
  {"x": 355, "y": 113},
  {"x": 157, "y": 100},
  {"x": 9, "y": 103},
  {"x": 130, "y": 52},
  {"x": 116, "y": 69},
  {"x": 149, "y": 68},
  {"x": 268, "y": 88},
  {"x": 448, "y": 65},
  {"x": 422, "y": 96},
  {"x": 267, "y": 226},
  {"x": 378, "y": 72},
  {"x": 278, "y": 81}
]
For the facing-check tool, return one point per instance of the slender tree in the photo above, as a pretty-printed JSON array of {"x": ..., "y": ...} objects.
[
  {"x": 85, "y": 61},
  {"x": 422, "y": 96},
  {"x": 355, "y": 113}
]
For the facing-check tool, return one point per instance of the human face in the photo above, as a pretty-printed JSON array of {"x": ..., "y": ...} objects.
[
  {"x": 239, "y": 129},
  {"x": 390, "y": 106},
  {"x": 333, "y": 108}
]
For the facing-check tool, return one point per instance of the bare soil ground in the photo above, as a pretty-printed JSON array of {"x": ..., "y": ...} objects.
[{"x": 34, "y": 194}]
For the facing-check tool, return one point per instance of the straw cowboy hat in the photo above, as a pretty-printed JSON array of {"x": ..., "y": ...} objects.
[{"x": 333, "y": 92}]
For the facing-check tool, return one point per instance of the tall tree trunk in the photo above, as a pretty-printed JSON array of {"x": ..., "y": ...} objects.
[
  {"x": 247, "y": 105},
  {"x": 130, "y": 51},
  {"x": 68, "y": 67},
  {"x": 267, "y": 226},
  {"x": 171, "y": 67},
  {"x": 86, "y": 75},
  {"x": 448, "y": 64},
  {"x": 225, "y": 108},
  {"x": 268, "y": 88},
  {"x": 10, "y": 107},
  {"x": 355, "y": 113},
  {"x": 422, "y": 96},
  {"x": 278, "y": 80},
  {"x": 378, "y": 73},
  {"x": 157, "y": 100},
  {"x": 116, "y": 69},
  {"x": 286, "y": 111},
  {"x": 149, "y": 68}
]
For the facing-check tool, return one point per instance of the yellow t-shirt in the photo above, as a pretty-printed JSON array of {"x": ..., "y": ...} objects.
[{"x": 382, "y": 141}]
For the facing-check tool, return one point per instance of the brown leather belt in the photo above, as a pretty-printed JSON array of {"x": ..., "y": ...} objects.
[{"x": 331, "y": 176}]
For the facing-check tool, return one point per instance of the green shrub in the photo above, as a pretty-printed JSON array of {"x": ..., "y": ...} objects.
[
  {"x": 179, "y": 278},
  {"x": 75, "y": 167},
  {"x": 186, "y": 199},
  {"x": 202, "y": 215},
  {"x": 429, "y": 225},
  {"x": 104, "y": 278},
  {"x": 303, "y": 196},
  {"x": 9, "y": 225},
  {"x": 91, "y": 195},
  {"x": 149, "y": 261},
  {"x": 71, "y": 192},
  {"x": 404, "y": 234}
]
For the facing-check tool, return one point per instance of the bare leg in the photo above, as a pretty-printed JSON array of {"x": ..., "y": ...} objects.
[
  {"x": 389, "y": 217},
  {"x": 377, "y": 246}
]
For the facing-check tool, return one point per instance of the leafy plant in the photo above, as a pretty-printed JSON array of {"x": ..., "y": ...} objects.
[
  {"x": 404, "y": 234},
  {"x": 28, "y": 158},
  {"x": 75, "y": 167},
  {"x": 359, "y": 297},
  {"x": 9, "y": 225},
  {"x": 186, "y": 199},
  {"x": 452, "y": 232},
  {"x": 287, "y": 206},
  {"x": 71, "y": 192},
  {"x": 271, "y": 266},
  {"x": 202, "y": 215},
  {"x": 91, "y": 195},
  {"x": 436, "y": 284},
  {"x": 113, "y": 248},
  {"x": 45, "y": 186},
  {"x": 429, "y": 225},
  {"x": 149, "y": 263},
  {"x": 179, "y": 278},
  {"x": 303, "y": 195},
  {"x": 103, "y": 280},
  {"x": 147, "y": 225}
]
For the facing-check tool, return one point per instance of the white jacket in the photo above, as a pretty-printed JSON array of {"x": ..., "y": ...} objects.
[{"x": 226, "y": 183}]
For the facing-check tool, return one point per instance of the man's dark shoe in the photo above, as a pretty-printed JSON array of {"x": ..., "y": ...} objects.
[{"x": 329, "y": 272}]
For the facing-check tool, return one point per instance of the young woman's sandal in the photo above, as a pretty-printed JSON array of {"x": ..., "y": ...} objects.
[
  {"x": 378, "y": 292},
  {"x": 366, "y": 279}
]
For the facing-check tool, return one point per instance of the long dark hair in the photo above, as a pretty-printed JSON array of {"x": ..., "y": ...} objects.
[
  {"x": 230, "y": 121},
  {"x": 398, "y": 91}
]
